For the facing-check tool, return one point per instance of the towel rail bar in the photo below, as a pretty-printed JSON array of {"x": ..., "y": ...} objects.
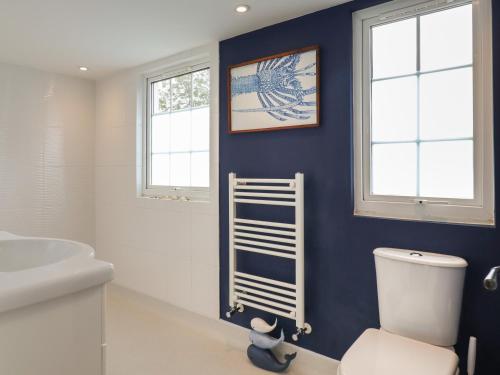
[
  {"x": 265, "y": 301},
  {"x": 264, "y": 187},
  {"x": 266, "y": 294},
  {"x": 264, "y": 252},
  {"x": 263, "y": 237},
  {"x": 264, "y": 195},
  {"x": 265, "y": 287},
  {"x": 265, "y": 223},
  {"x": 282, "y": 240},
  {"x": 265, "y": 308},
  {"x": 264, "y": 230},
  {"x": 263, "y": 201},
  {"x": 264, "y": 244},
  {"x": 266, "y": 280},
  {"x": 264, "y": 180}
]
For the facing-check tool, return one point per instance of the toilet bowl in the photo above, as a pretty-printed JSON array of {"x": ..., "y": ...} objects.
[
  {"x": 420, "y": 298},
  {"x": 377, "y": 352}
]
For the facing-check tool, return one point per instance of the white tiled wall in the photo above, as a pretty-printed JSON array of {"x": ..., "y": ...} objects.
[
  {"x": 46, "y": 154},
  {"x": 68, "y": 169},
  {"x": 166, "y": 249}
]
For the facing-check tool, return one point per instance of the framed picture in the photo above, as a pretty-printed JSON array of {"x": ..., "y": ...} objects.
[{"x": 275, "y": 92}]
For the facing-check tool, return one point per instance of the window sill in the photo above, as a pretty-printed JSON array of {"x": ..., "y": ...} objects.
[
  {"x": 445, "y": 214},
  {"x": 185, "y": 199}
]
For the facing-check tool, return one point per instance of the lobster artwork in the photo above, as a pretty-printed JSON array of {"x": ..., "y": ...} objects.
[{"x": 278, "y": 85}]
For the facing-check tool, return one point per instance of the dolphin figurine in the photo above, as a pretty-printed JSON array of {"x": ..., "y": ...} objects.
[
  {"x": 260, "y": 325},
  {"x": 266, "y": 360},
  {"x": 264, "y": 341}
]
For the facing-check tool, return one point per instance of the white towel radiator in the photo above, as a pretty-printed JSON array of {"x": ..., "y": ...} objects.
[{"x": 285, "y": 240}]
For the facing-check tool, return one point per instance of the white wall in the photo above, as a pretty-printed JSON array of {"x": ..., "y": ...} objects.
[
  {"x": 165, "y": 249},
  {"x": 46, "y": 154}
]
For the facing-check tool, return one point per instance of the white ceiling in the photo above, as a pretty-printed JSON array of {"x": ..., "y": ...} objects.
[{"x": 109, "y": 35}]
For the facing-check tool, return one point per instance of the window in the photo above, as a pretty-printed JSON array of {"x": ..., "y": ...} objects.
[
  {"x": 178, "y": 134},
  {"x": 423, "y": 111}
]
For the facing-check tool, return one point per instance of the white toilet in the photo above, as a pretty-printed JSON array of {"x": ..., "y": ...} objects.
[{"x": 419, "y": 299}]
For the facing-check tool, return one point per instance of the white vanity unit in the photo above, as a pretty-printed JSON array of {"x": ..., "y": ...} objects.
[{"x": 51, "y": 307}]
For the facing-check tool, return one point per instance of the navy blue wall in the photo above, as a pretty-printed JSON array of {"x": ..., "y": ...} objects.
[{"x": 341, "y": 295}]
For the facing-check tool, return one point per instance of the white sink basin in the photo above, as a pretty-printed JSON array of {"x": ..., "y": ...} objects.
[
  {"x": 37, "y": 269},
  {"x": 21, "y": 254}
]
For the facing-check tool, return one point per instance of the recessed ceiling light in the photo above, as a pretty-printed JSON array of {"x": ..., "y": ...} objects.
[
  {"x": 242, "y": 8},
  {"x": 84, "y": 68}
]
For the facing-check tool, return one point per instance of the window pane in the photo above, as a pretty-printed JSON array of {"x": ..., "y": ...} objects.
[
  {"x": 180, "y": 133},
  {"x": 201, "y": 88},
  {"x": 394, "y": 48},
  {"x": 200, "y": 175},
  {"x": 394, "y": 109},
  {"x": 394, "y": 169},
  {"x": 181, "y": 92},
  {"x": 200, "y": 138},
  {"x": 446, "y": 104},
  {"x": 180, "y": 169},
  {"x": 160, "y": 133},
  {"x": 160, "y": 169},
  {"x": 161, "y": 96},
  {"x": 446, "y": 169},
  {"x": 446, "y": 38},
  {"x": 179, "y": 127}
]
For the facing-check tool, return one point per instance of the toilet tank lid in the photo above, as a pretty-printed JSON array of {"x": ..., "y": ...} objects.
[{"x": 420, "y": 257}]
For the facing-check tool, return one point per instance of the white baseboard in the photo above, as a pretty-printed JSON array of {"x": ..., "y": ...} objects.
[{"x": 234, "y": 336}]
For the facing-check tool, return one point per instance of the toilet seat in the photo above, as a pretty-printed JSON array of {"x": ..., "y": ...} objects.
[{"x": 377, "y": 352}]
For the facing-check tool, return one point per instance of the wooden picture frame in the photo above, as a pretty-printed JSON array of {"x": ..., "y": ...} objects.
[{"x": 276, "y": 92}]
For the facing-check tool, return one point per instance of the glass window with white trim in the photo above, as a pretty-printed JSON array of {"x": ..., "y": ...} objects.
[
  {"x": 421, "y": 141},
  {"x": 178, "y": 134}
]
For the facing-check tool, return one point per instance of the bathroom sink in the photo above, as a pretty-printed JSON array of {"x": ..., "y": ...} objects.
[
  {"x": 37, "y": 269},
  {"x": 22, "y": 254}
]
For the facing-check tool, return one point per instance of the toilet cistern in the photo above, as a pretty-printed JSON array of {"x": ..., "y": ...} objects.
[
  {"x": 419, "y": 300},
  {"x": 490, "y": 281}
]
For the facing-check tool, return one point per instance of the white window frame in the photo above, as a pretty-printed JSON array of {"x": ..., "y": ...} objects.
[
  {"x": 186, "y": 193},
  {"x": 477, "y": 211}
]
